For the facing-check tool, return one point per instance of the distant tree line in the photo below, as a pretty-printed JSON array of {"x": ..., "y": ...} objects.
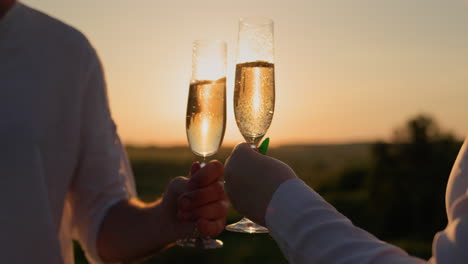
[{"x": 400, "y": 194}]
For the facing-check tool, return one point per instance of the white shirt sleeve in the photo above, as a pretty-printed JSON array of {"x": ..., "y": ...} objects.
[
  {"x": 103, "y": 176},
  {"x": 310, "y": 230},
  {"x": 451, "y": 244}
]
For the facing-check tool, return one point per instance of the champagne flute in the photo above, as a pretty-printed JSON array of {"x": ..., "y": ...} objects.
[
  {"x": 206, "y": 113},
  {"x": 254, "y": 91}
]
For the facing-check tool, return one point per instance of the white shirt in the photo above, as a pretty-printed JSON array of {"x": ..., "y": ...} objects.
[
  {"x": 61, "y": 162},
  {"x": 309, "y": 230}
]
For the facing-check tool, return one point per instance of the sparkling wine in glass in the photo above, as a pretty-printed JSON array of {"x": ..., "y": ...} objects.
[
  {"x": 206, "y": 113},
  {"x": 254, "y": 91}
]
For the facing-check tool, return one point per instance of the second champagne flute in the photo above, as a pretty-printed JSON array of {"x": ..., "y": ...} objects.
[
  {"x": 254, "y": 91},
  {"x": 206, "y": 113}
]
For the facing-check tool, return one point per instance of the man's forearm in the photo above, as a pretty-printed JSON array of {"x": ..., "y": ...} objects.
[{"x": 133, "y": 230}]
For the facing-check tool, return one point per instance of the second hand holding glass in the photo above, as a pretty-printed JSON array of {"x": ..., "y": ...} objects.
[{"x": 254, "y": 91}]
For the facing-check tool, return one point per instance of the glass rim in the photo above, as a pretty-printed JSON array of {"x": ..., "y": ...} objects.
[{"x": 256, "y": 20}]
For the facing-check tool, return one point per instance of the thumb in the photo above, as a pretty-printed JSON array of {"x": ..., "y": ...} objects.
[
  {"x": 212, "y": 172},
  {"x": 244, "y": 149},
  {"x": 195, "y": 167},
  {"x": 241, "y": 147},
  {"x": 242, "y": 153}
]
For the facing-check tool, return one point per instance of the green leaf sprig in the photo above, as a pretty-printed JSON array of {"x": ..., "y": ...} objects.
[{"x": 264, "y": 146}]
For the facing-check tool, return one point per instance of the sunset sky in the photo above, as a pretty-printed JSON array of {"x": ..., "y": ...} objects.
[{"x": 349, "y": 70}]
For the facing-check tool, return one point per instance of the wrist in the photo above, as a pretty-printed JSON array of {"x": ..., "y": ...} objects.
[{"x": 270, "y": 191}]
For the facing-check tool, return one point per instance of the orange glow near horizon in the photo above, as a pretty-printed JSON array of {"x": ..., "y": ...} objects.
[{"x": 345, "y": 70}]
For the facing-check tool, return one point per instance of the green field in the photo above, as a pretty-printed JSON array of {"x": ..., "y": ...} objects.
[{"x": 154, "y": 167}]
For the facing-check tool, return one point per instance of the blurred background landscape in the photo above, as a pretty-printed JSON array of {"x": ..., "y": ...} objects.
[{"x": 394, "y": 189}]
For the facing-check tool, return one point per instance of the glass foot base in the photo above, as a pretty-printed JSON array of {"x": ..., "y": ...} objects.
[
  {"x": 200, "y": 242},
  {"x": 246, "y": 226}
]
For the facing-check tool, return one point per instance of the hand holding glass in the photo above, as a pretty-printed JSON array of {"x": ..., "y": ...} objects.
[
  {"x": 206, "y": 113},
  {"x": 254, "y": 91}
]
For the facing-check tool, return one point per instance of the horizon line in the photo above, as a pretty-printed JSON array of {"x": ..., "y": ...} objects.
[{"x": 178, "y": 145}]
